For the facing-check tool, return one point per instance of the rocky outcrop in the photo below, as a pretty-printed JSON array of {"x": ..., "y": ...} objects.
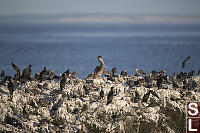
[{"x": 41, "y": 106}]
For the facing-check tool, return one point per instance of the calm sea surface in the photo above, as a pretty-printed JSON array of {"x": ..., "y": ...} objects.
[{"x": 76, "y": 46}]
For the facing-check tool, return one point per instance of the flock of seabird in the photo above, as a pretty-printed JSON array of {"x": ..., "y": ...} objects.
[{"x": 147, "y": 80}]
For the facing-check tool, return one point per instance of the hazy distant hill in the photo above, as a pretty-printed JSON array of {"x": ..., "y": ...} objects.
[{"x": 98, "y": 18}]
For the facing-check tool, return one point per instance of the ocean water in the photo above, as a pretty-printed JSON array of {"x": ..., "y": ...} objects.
[{"x": 76, "y": 46}]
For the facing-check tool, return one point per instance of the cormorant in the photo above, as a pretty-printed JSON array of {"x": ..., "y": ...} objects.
[
  {"x": 63, "y": 82},
  {"x": 114, "y": 70},
  {"x": 11, "y": 85},
  {"x": 185, "y": 61},
  {"x": 191, "y": 74},
  {"x": 101, "y": 93},
  {"x": 27, "y": 72},
  {"x": 159, "y": 82},
  {"x": 146, "y": 97},
  {"x": 67, "y": 73},
  {"x": 199, "y": 72},
  {"x": 110, "y": 96},
  {"x": 2, "y": 74},
  {"x": 43, "y": 74},
  {"x": 137, "y": 97}
]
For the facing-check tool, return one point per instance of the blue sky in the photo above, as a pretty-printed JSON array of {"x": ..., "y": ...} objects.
[{"x": 135, "y": 7}]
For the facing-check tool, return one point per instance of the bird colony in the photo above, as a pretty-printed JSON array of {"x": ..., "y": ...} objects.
[{"x": 105, "y": 101}]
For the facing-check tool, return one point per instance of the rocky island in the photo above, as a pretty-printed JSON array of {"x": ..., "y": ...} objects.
[{"x": 114, "y": 103}]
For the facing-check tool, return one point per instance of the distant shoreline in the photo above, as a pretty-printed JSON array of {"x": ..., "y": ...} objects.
[{"x": 101, "y": 18}]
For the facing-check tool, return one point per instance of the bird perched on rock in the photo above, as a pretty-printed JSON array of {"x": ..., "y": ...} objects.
[
  {"x": 24, "y": 112},
  {"x": 139, "y": 72},
  {"x": 56, "y": 106},
  {"x": 154, "y": 75},
  {"x": 16, "y": 68},
  {"x": 27, "y": 72},
  {"x": 148, "y": 79},
  {"x": 37, "y": 75},
  {"x": 154, "y": 93},
  {"x": 51, "y": 74},
  {"x": 174, "y": 84},
  {"x": 43, "y": 74},
  {"x": 2, "y": 74},
  {"x": 184, "y": 75},
  {"x": 162, "y": 72},
  {"x": 101, "y": 94},
  {"x": 185, "y": 81},
  {"x": 74, "y": 74},
  {"x": 130, "y": 83},
  {"x": 137, "y": 97},
  {"x": 159, "y": 82},
  {"x": 179, "y": 75},
  {"x": 110, "y": 95},
  {"x": 99, "y": 69},
  {"x": 11, "y": 85},
  {"x": 114, "y": 70},
  {"x": 191, "y": 74},
  {"x": 107, "y": 73},
  {"x": 123, "y": 73},
  {"x": 63, "y": 82},
  {"x": 146, "y": 97},
  {"x": 90, "y": 76},
  {"x": 199, "y": 72},
  {"x": 86, "y": 89},
  {"x": 185, "y": 61},
  {"x": 67, "y": 73}
]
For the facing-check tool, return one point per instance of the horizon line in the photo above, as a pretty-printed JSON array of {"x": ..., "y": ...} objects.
[{"x": 92, "y": 14}]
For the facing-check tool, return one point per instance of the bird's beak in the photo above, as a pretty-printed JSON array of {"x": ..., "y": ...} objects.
[{"x": 104, "y": 65}]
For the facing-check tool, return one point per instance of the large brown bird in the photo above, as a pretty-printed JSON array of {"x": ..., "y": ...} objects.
[
  {"x": 16, "y": 68},
  {"x": 185, "y": 61},
  {"x": 99, "y": 69}
]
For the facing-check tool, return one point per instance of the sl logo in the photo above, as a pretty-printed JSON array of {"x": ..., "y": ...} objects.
[{"x": 193, "y": 117}]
